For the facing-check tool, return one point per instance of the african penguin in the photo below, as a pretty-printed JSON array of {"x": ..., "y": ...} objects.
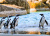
[
  {"x": 2, "y": 22},
  {"x": 15, "y": 21},
  {"x": 7, "y": 22},
  {"x": 42, "y": 21}
]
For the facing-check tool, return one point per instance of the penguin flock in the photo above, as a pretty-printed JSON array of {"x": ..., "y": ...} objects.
[
  {"x": 7, "y": 24},
  {"x": 14, "y": 23}
]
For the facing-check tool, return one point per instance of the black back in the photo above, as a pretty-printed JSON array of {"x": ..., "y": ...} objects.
[{"x": 14, "y": 21}]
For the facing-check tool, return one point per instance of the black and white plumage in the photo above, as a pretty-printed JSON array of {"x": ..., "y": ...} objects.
[
  {"x": 7, "y": 22},
  {"x": 2, "y": 22},
  {"x": 14, "y": 22},
  {"x": 42, "y": 21}
]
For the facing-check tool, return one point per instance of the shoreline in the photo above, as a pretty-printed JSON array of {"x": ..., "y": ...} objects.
[{"x": 22, "y": 35}]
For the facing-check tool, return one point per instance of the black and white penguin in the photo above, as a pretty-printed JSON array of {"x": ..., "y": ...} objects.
[
  {"x": 7, "y": 22},
  {"x": 2, "y": 22},
  {"x": 14, "y": 22},
  {"x": 42, "y": 21}
]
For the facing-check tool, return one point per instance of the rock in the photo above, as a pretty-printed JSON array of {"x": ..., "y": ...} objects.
[
  {"x": 8, "y": 7},
  {"x": 12, "y": 13},
  {"x": 48, "y": 3},
  {"x": 32, "y": 10},
  {"x": 42, "y": 0},
  {"x": 22, "y": 3},
  {"x": 1, "y": 1},
  {"x": 5, "y": 8},
  {"x": 12, "y": 10}
]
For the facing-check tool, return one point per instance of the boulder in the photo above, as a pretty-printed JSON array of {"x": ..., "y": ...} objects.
[
  {"x": 22, "y": 3},
  {"x": 12, "y": 10},
  {"x": 8, "y": 7},
  {"x": 12, "y": 13}
]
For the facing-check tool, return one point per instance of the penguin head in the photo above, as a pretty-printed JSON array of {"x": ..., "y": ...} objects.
[
  {"x": 42, "y": 14},
  {"x": 3, "y": 17},
  {"x": 17, "y": 15},
  {"x": 9, "y": 16}
]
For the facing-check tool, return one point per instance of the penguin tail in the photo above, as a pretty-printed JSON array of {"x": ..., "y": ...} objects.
[{"x": 46, "y": 22}]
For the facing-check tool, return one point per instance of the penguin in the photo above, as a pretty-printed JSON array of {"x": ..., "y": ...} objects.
[
  {"x": 14, "y": 22},
  {"x": 7, "y": 22},
  {"x": 2, "y": 22},
  {"x": 42, "y": 21}
]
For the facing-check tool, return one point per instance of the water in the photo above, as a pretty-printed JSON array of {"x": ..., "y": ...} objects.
[{"x": 28, "y": 24}]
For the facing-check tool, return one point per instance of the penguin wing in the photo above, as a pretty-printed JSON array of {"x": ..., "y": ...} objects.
[{"x": 46, "y": 22}]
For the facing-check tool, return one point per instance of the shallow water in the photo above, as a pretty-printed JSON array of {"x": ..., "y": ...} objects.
[{"x": 28, "y": 24}]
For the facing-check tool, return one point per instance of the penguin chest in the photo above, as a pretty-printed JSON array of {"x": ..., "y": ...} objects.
[
  {"x": 9, "y": 24},
  {"x": 16, "y": 23},
  {"x": 43, "y": 21},
  {"x": 3, "y": 23}
]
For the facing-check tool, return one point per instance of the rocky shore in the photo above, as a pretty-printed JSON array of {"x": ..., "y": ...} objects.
[{"x": 12, "y": 10}]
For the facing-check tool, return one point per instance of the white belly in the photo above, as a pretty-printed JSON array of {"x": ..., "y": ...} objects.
[
  {"x": 2, "y": 23},
  {"x": 16, "y": 22},
  {"x": 9, "y": 24},
  {"x": 42, "y": 21}
]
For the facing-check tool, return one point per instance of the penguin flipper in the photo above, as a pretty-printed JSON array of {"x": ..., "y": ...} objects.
[
  {"x": 46, "y": 22},
  {"x": 40, "y": 22}
]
